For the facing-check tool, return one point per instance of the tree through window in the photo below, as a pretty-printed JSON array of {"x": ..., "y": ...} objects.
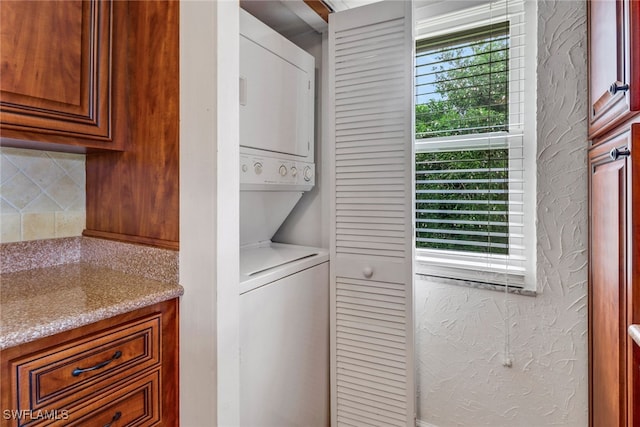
[{"x": 462, "y": 188}]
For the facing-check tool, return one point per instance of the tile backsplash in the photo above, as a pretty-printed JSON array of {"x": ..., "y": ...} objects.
[{"x": 42, "y": 194}]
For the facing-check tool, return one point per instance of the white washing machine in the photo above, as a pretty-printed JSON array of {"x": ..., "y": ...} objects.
[
  {"x": 284, "y": 336},
  {"x": 284, "y": 289}
]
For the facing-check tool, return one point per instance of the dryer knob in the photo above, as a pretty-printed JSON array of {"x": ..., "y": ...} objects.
[
  {"x": 283, "y": 170},
  {"x": 257, "y": 167},
  {"x": 308, "y": 173},
  {"x": 294, "y": 171},
  {"x": 367, "y": 272}
]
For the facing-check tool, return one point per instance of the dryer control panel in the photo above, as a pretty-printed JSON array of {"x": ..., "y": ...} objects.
[{"x": 274, "y": 174}]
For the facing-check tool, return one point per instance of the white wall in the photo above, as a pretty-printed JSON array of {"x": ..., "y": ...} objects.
[
  {"x": 209, "y": 217},
  {"x": 461, "y": 331},
  {"x": 308, "y": 223}
]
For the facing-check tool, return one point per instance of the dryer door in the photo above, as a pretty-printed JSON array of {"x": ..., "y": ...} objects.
[{"x": 274, "y": 112}]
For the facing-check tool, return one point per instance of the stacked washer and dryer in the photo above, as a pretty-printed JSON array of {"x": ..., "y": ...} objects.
[{"x": 284, "y": 288}]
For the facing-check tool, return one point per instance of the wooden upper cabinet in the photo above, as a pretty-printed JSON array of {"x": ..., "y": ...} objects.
[
  {"x": 133, "y": 196},
  {"x": 58, "y": 71},
  {"x": 614, "y": 63}
]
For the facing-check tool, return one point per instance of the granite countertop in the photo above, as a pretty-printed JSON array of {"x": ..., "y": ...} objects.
[
  {"x": 103, "y": 279},
  {"x": 45, "y": 301}
]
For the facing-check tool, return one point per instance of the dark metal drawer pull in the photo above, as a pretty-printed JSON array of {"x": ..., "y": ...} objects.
[
  {"x": 115, "y": 418},
  {"x": 615, "y": 88},
  {"x": 79, "y": 371},
  {"x": 616, "y": 153}
]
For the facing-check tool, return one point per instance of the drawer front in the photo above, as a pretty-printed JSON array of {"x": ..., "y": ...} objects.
[
  {"x": 72, "y": 371},
  {"x": 135, "y": 404}
]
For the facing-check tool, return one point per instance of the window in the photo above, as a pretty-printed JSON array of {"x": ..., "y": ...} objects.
[{"x": 471, "y": 220}]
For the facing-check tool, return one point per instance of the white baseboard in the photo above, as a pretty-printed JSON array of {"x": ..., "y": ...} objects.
[{"x": 420, "y": 423}]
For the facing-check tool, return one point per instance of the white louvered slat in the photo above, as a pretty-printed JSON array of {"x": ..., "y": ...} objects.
[
  {"x": 371, "y": 54},
  {"x": 371, "y": 395},
  {"x": 369, "y": 413}
]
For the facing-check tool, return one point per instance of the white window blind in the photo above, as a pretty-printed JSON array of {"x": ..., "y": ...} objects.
[{"x": 470, "y": 164}]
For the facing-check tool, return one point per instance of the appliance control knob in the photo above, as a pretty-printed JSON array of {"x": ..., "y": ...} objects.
[
  {"x": 308, "y": 173},
  {"x": 257, "y": 167},
  {"x": 294, "y": 171},
  {"x": 244, "y": 168},
  {"x": 283, "y": 170}
]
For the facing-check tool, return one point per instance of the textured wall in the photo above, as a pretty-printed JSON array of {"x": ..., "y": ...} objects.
[
  {"x": 42, "y": 194},
  {"x": 461, "y": 331}
]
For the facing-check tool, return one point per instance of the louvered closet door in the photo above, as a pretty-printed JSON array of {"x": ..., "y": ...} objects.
[{"x": 371, "y": 84}]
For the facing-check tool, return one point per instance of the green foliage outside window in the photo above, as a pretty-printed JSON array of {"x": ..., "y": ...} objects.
[
  {"x": 462, "y": 199},
  {"x": 470, "y": 211}
]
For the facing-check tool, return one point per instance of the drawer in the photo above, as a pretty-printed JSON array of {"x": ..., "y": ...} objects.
[
  {"x": 135, "y": 404},
  {"x": 55, "y": 378}
]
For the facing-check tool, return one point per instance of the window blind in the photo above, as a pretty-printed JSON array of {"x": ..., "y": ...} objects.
[
  {"x": 469, "y": 145},
  {"x": 462, "y": 82}
]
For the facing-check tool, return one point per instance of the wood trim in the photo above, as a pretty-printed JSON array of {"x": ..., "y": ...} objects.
[
  {"x": 633, "y": 276},
  {"x": 133, "y": 196},
  {"x": 128, "y": 238},
  {"x": 319, "y": 7},
  {"x": 634, "y": 55},
  {"x": 606, "y": 133}
]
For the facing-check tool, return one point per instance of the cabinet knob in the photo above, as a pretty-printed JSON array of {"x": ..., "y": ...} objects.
[
  {"x": 616, "y": 153},
  {"x": 617, "y": 87}
]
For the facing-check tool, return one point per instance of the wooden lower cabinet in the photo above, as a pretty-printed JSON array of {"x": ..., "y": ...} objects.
[
  {"x": 121, "y": 371},
  {"x": 613, "y": 275}
]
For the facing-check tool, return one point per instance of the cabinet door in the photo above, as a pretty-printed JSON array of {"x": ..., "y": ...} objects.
[
  {"x": 608, "y": 281},
  {"x": 633, "y": 376},
  {"x": 633, "y": 275},
  {"x": 614, "y": 63},
  {"x": 56, "y": 78}
]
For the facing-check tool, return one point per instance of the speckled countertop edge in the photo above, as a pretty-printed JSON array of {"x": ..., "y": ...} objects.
[
  {"x": 42, "y": 280},
  {"x": 43, "y": 302},
  {"x": 18, "y": 256},
  {"x": 63, "y": 324}
]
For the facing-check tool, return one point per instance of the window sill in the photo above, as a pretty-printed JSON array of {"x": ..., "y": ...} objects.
[
  {"x": 464, "y": 274},
  {"x": 478, "y": 285}
]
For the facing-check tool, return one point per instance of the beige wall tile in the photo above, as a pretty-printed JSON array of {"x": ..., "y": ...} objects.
[
  {"x": 47, "y": 188},
  {"x": 69, "y": 224},
  {"x": 7, "y": 169},
  {"x": 6, "y": 207},
  {"x": 64, "y": 191},
  {"x": 42, "y": 203},
  {"x": 20, "y": 190},
  {"x": 10, "y": 228},
  {"x": 37, "y": 226}
]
